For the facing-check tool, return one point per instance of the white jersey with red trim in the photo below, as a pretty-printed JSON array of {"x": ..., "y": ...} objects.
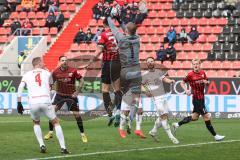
[{"x": 38, "y": 86}]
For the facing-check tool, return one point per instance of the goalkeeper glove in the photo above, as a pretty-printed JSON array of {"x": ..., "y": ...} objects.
[{"x": 20, "y": 108}]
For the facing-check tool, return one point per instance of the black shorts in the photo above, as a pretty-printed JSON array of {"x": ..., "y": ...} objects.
[
  {"x": 199, "y": 106},
  {"x": 110, "y": 71},
  {"x": 71, "y": 102}
]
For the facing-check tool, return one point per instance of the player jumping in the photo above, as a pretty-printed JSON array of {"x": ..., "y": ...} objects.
[
  {"x": 111, "y": 67},
  {"x": 38, "y": 85},
  {"x": 197, "y": 79},
  {"x": 153, "y": 82},
  {"x": 68, "y": 84},
  {"x": 129, "y": 46}
]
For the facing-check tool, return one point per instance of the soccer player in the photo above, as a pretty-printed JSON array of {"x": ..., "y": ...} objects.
[
  {"x": 197, "y": 79},
  {"x": 37, "y": 82},
  {"x": 131, "y": 79},
  {"x": 153, "y": 82},
  {"x": 68, "y": 82},
  {"x": 107, "y": 46}
]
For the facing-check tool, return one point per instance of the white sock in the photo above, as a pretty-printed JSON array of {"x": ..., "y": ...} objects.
[
  {"x": 138, "y": 121},
  {"x": 51, "y": 132},
  {"x": 166, "y": 127},
  {"x": 122, "y": 121},
  {"x": 59, "y": 134},
  {"x": 157, "y": 125},
  {"x": 38, "y": 134}
]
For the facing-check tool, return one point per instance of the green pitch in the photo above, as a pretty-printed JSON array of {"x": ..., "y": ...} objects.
[{"x": 17, "y": 141}]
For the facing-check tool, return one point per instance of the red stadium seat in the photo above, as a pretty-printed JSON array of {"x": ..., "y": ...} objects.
[
  {"x": 202, "y": 39},
  {"x": 154, "y": 39},
  {"x": 216, "y": 64},
  {"x": 148, "y": 22},
  {"x": 212, "y": 38},
  {"x": 167, "y": 64},
  {"x": 148, "y": 47},
  {"x": 212, "y": 22},
  {"x": 181, "y": 73},
  {"x": 191, "y": 55},
  {"x": 151, "y": 30},
  {"x": 69, "y": 1},
  {"x": 53, "y": 31},
  {"x": 206, "y": 65},
  {"x": 181, "y": 56},
  {"x": 66, "y": 15},
  {"x": 175, "y": 22},
  {"x": 40, "y": 15},
  {"x": 156, "y": 22},
  {"x": 202, "y": 55},
  {"x": 231, "y": 73},
  {"x": 197, "y": 47},
  {"x": 171, "y": 14},
  {"x": 74, "y": 47},
  {"x": 211, "y": 73},
  {"x": 72, "y": 7},
  {"x": 184, "y": 22},
  {"x": 31, "y": 15},
  {"x": 36, "y": 31},
  {"x": 217, "y": 30},
  {"x": 221, "y": 73},
  {"x": 145, "y": 39},
  {"x": 176, "y": 65},
  {"x": 203, "y": 22},
  {"x": 63, "y": 7},
  {"x": 236, "y": 65},
  {"x": 78, "y": 1},
  {"x": 22, "y": 15},
  {"x": 207, "y": 47},
  {"x": 187, "y": 47},
  {"x": 186, "y": 64},
  {"x": 171, "y": 73},
  {"x": 227, "y": 65},
  {"x": 3, "y": 39},
  {"x": 141, "y": 30},
  {"x": 193, "y": 21},
  {"x": 208, "y": 30}
]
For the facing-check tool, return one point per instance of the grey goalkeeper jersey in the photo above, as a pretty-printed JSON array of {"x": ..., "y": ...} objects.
[{"x": 129, "y": 46}]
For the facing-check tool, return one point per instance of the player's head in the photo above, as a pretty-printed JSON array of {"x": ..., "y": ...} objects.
[
  {"x": 62, "y": 61},
  {"x": 131, "y": 28},
  {"x": 196, "y": 64},
  {"x": 150, "y": 62},
  {"x": 37, "y": 62}
]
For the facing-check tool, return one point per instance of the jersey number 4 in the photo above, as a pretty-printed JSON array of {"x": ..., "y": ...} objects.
[{"x": 38, "y": 79}]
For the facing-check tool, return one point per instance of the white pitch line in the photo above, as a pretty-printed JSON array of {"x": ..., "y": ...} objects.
[{"x": 131, "y": 150}]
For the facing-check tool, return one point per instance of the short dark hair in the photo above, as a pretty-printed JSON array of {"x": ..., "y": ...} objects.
[
  {"x": 36, "y": 61},
  {"x": 61, "y": 57},
  {"x": 131, "y": 27}
]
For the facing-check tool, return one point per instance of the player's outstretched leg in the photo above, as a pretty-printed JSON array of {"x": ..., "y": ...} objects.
[
  {"x": 38, "y": 133},
  {"x": 50, "y": 133},
  {"x": 210, "y": 128},
  {"x": 108, "y": 106},
  {"x": 138, "y": 131},
  {"x": 117, "y": 102},
  {"x": 153, "y": 132},
  {"x": 167, "y": 129},
  {"x": 80, "y": 126},
  {"x": 123, "y": 121},
  {"x": 184, "y": 121},
  {"x": 60, "y": 136}
]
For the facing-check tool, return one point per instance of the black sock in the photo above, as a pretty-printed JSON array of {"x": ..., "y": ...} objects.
[
  {"x": 50, "y": 126},
  {"x": 185, "y": 120},
  {"x": 107, "y": 101},
  {"x": 80, "y": 124},
  {"x": 210, "y": 127},
  {"x": 118, "y": 99}
]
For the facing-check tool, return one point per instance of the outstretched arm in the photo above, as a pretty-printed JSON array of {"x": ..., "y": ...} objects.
[{"x": 118, "y": 35}]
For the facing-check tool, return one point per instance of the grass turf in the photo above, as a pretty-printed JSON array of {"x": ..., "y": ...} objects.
[{"x": 18, "y": 141}]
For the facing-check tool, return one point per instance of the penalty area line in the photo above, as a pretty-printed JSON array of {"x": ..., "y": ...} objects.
[{"x": 132, "y": 150}]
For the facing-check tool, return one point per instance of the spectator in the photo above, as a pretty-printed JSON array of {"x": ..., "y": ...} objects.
[
  {"x": 50, "y": 21},
  {"x": 95, "y": 38},
  {"x": 14, "y": 26},
  {"x": 171, "y": 36},
  {"x": 80, "y": 36},
  {"x": 1, "y": 21},
  {"x": 97, "y": 9},
  {"x": 26, "y": 26},
  {"x": 28, "y": 5},
  {"x": 171, "y": 53},
  {"x": 53, "y": 5},
  {"x": 193, "y": 35},
  {"x": 161, "y": 54},
  {"x": 11, "y": 5},
  {"x": 230, "y": 6},
  {"x": 59, "y": 20},
  {"x": 43, "y": 5},
  {"x": 178, "y": 2},
  {"x": 183, "y": 36},
  {"x": 89, "y": 36},
  {"x": 106, "y": 10},
  {"x": 21, "y": 57}
]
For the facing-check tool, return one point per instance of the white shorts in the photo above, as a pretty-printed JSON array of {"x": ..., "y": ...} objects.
[
  {"x": 161, "y": 105},
  {"x": 127, "y": 102},
  {"x": 36, "y": 110}
]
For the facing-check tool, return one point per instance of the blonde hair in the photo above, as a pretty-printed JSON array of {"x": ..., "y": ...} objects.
[{"x": 196, "y": 60}]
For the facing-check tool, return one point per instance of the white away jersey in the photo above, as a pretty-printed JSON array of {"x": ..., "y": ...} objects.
[
  {"x": 38, "y": 86},
  {"x": 153, "y": 79}
]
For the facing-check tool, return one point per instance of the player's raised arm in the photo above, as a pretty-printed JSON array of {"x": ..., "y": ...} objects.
[{"x": 118, "y": 35}]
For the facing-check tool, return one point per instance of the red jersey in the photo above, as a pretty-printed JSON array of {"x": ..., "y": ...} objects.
[
  {"x": 109, "y": 43},
  {"x": 196, "y": 83},
  {"x": 66, "y": 80}
]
